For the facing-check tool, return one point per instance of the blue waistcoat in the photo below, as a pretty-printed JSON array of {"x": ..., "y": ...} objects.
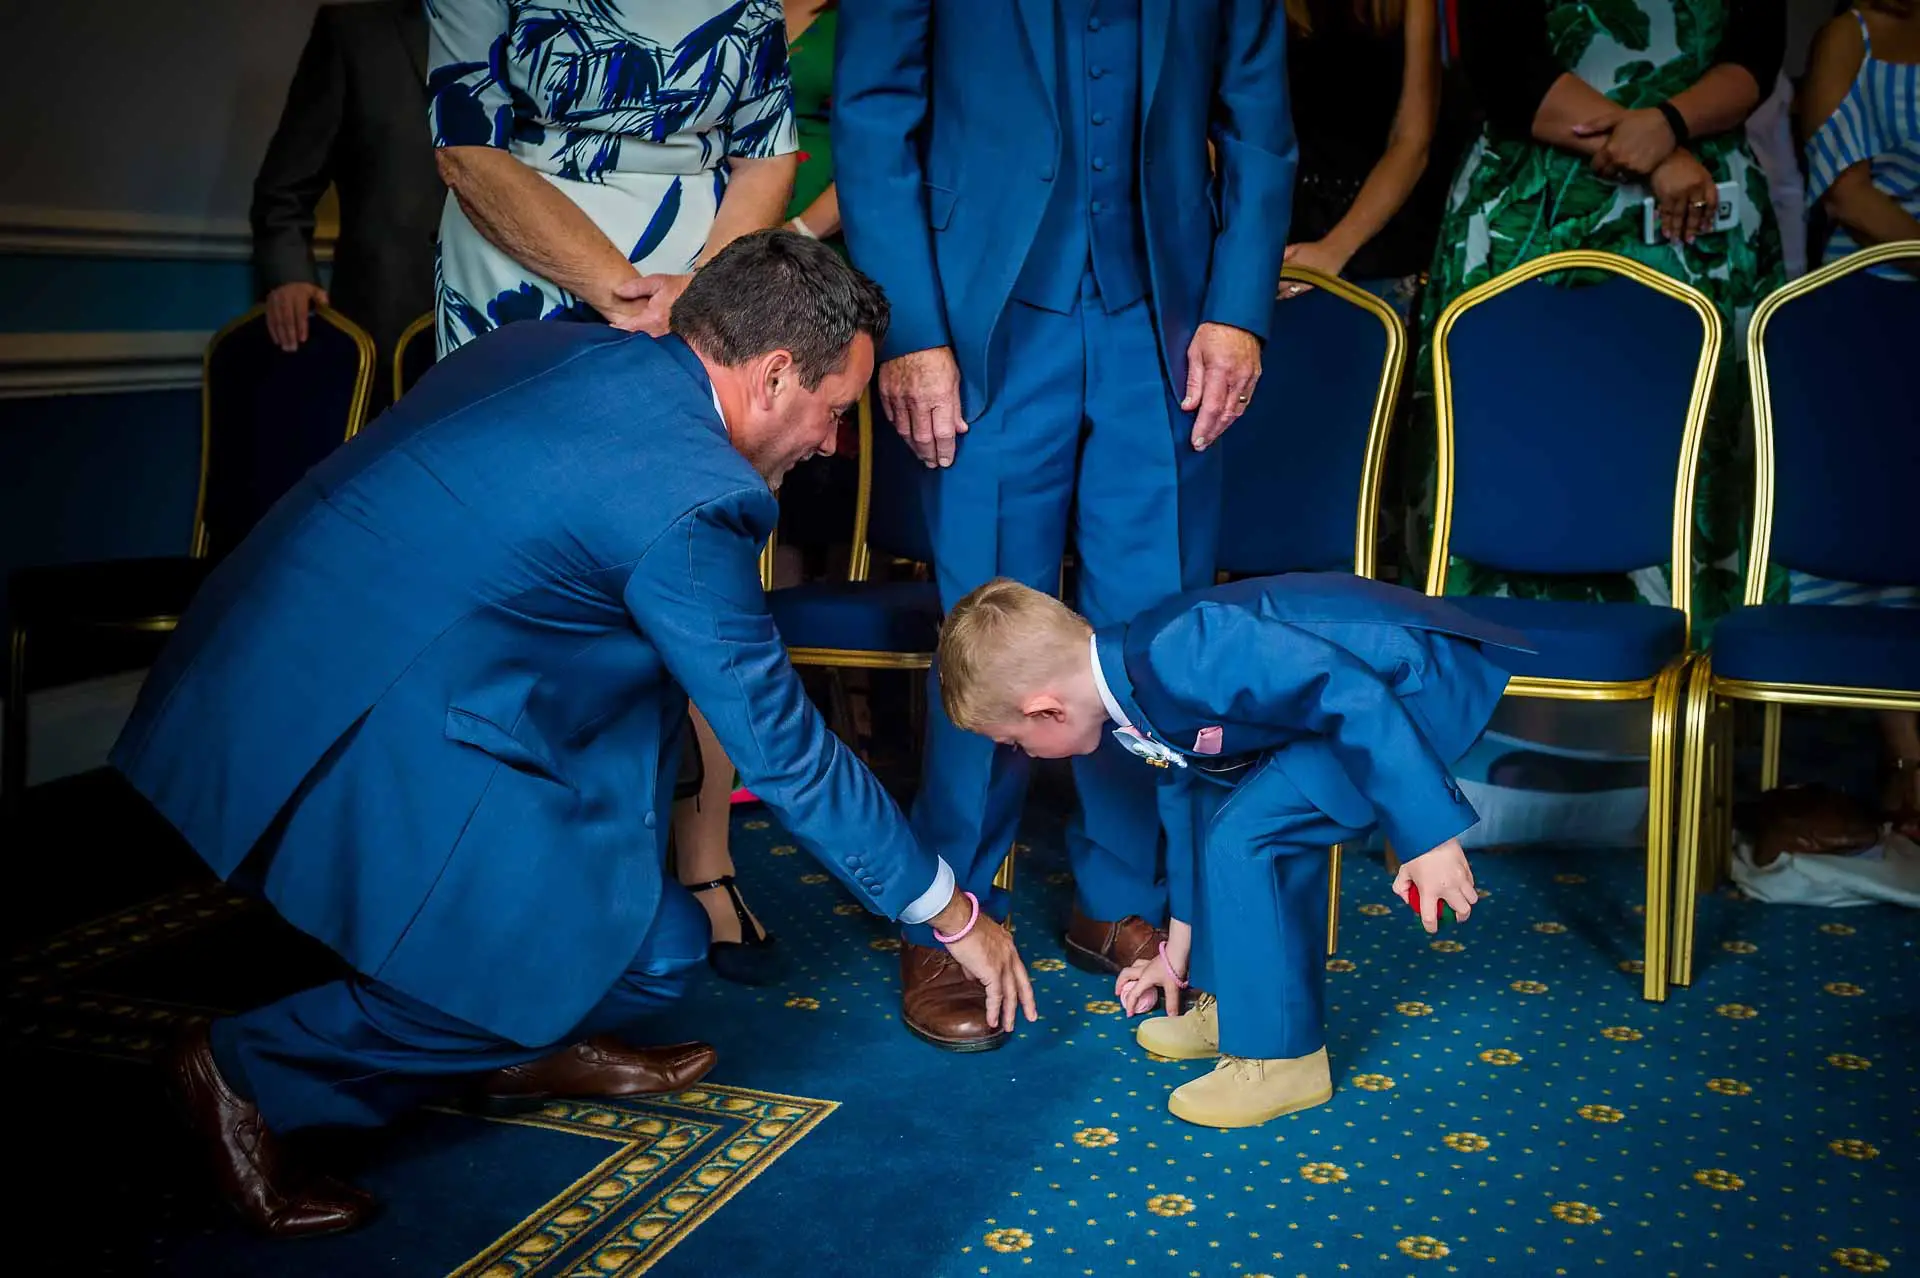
[{"x": 1093, "y": 216}]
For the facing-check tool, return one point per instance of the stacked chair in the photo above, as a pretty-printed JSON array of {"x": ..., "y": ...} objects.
[
  {"x": 1837, "y": 470},
  {"x": 267, "y": 417},
  {"x": 1303, "y": 466},
  {"x": 1560, "y": 454}
]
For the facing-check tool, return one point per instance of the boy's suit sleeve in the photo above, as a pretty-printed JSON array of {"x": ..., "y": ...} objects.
[
  {"x": 696, "y": 596},
  {"x": 1227, "y": 663}
]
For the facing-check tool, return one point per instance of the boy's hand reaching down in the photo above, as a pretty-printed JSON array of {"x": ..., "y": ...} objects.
[{"x": 1441, "y": 875}]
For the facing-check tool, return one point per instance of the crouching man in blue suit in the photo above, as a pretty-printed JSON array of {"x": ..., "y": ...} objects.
[
  {"x": 431, "y": 705},
  {"x": 1294, "y": 713}
]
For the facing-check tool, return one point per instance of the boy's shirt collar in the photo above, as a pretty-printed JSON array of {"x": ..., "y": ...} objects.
[{"x": 1114, "y": 712}]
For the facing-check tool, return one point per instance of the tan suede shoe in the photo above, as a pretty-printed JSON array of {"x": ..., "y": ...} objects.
[
  {"x": 1245, "y": 1093},
  {"x": 1194, "y": 1035}
]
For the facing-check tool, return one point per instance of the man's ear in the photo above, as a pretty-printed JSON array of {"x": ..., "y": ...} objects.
[{"x": 775, "y": 376}]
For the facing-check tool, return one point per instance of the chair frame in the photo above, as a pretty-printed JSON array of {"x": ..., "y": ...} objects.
[
  {"x": 1664, "y": 689},
  {"x": 1366, "y": 530},
  {"x": 13, "y": 769},
  {"x": 408, "y": 335},
  {"x": 1706, "y": 770}
]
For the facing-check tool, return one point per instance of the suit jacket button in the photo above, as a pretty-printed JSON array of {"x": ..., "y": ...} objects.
[
  {"x": 1046, "y": 174},
  {"x": 647, "y": 820}
]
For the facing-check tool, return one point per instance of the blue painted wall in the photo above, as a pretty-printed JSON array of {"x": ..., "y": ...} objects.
[{"x": 46, "y": 293}]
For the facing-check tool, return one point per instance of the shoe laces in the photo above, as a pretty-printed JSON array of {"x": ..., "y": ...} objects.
[
  {"x": 1248, "y": 1068},
  {"x": 1201, "y": 1003}
]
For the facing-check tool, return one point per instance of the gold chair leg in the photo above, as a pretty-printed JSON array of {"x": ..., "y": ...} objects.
[
  {"x": 1333, "y": 903},
  {"x": 13, "y": 735},
  {"x": 1770, "y": 749},
  {"x": 1723, "y": 796},
  {"x": 1695, "y": 823},
  {"x": 1660, "y": 806},
  {"x": 1003, "y": 880}
]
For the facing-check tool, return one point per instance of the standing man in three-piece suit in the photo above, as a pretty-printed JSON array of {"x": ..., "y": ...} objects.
[
  {"x": 1078, "y": 303},
  {"x": 430, "y": 707},
  {"x": 354, "y": 120}
]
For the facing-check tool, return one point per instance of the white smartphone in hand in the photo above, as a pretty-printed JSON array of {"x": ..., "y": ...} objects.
[{"x": 1726, "y": 214}]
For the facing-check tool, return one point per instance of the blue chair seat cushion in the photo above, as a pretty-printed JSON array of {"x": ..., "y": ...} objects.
[
  {"x": 1601, "y": 642},
  {"x": 859, "y": 616},
  {"x": 1829, "y": 645},
  {"x": 105, "y": 592}
]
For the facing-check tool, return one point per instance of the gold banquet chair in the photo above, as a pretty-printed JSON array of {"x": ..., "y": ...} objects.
[
  {"x": 414, "y": 352},
  {"x": 266, "y": 418},
  {"x": 1550, "y": 462},
  {"x": 860, "y": 623},
  {"x": 1302, "y": 469},
  {"x": 1837, "y": 456}
]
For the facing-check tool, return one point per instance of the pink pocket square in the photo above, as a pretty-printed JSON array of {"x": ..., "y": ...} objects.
[{"x": 1208, "y": 742}]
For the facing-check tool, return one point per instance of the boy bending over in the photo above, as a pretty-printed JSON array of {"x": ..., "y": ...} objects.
[{"x": 1298, "y": 712}]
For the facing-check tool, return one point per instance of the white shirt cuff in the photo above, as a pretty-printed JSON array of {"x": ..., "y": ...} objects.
[{"x": 934, "y": 899}]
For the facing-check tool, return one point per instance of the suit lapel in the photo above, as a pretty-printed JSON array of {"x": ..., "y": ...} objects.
[
  {"x": 1155, "y": 17},
  {"x": 1038, "y": 17},
  {"x": 412, "y": 26}
]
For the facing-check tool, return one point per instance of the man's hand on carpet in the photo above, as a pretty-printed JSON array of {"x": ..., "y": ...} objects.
[
  {"x": 1441, "y": 875},
  {"x": 989, "y": 956}
]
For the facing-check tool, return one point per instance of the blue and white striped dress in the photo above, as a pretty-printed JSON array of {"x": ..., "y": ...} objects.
[{"x": 1877, "y": 124}]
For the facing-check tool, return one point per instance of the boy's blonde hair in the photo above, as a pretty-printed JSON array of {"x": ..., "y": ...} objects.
[{"x": 1000, "y": 645}]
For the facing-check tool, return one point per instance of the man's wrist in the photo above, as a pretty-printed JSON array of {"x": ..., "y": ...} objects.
[{"x": 953, "y": 916}]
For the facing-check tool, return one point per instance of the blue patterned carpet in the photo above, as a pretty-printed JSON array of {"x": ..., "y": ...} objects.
[{"x": 1504, "y": 1099}]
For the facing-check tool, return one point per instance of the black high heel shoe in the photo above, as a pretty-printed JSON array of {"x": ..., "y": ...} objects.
[{"x": 754, "y": 959}]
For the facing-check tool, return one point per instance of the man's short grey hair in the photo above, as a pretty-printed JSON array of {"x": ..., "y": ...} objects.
[{"x": 779, "y": 290}]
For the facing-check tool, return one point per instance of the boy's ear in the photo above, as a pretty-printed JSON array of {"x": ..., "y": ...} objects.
[{"x": 1043, "y": 705}]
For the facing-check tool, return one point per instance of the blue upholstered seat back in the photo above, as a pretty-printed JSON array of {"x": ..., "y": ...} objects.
[
  {"x": 1843, "y": 375},
  {"x": 1570, "y": 403},
  {"x": 896, "y": 515},
  {"x": 1294, "y": 462},
  {"x": 272, "y": 416}
]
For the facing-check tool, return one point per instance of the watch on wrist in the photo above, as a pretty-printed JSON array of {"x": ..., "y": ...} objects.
[{"x": 1675, "y": 121}]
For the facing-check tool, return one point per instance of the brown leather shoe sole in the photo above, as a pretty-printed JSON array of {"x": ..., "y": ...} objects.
[{"x": 956, "y": 1044}]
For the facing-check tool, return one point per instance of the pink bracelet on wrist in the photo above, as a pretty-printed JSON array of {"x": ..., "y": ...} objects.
[
  {"x": 962, "y": 934},
  {"x": 1178, "y": 979}
]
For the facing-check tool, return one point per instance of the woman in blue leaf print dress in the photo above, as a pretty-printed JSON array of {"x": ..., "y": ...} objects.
[{"x": 595, "y": 152}]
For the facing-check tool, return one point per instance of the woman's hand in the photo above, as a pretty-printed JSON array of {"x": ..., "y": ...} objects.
[
  {"x": 644, "y": 304},
  {"x": 1637, "y": 142},
  {"x": 1316, "y": 255},
  {"x": 1687, "y": 197}
]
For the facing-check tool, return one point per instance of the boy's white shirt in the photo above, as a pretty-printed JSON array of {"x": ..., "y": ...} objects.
[{"x": 1131, "y": 738}]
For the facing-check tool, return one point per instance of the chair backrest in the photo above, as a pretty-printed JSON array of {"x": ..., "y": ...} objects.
[
  {"x": 890, "y": 516},
  {"x": 1837, "y": 423},
  {"x": 1302, "y": 467},
  {"x": 413, "y": 354},
  {"x": 1569, "y": 418},
  {"x": 268, "y": 416}
]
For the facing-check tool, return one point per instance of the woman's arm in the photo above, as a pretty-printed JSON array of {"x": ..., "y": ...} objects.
[
  {"x": 1746, "y": 64},
  {"x": 1850, "y": 198},
  {"x": 527, "y": 218},
  {"x": 1397, "y": 171},
  {"x": 1522, "y": 86},
  {"x": 822, "y": 217},
  {"x": 756, "y": 198}
]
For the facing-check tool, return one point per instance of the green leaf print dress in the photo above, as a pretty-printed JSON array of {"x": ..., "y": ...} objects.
[{"x": 1514, "y": 199}]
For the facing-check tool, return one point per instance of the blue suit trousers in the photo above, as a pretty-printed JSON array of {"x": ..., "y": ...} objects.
[
  {"x": 1259, "y": 938},
  {"x": 357, "y": 1053},
  {"x": 1082, "y": 433}
]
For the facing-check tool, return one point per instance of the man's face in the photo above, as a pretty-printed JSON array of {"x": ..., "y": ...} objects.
[{"x": 786, "y": 423}]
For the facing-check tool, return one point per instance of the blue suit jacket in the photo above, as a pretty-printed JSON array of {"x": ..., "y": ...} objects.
[
  {"x": 946, "y": 139},
  {"x": 1369, "y": 692},
  {"x": 439, "y": 685}
]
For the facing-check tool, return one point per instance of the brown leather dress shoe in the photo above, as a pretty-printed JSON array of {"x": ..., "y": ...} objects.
[
  {"x": 942, "y": 1004},
  {"x": 1096, "y": 946},
  {"x": 253, "y": 1174},
  {"x": 603, "y": 1067}
]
